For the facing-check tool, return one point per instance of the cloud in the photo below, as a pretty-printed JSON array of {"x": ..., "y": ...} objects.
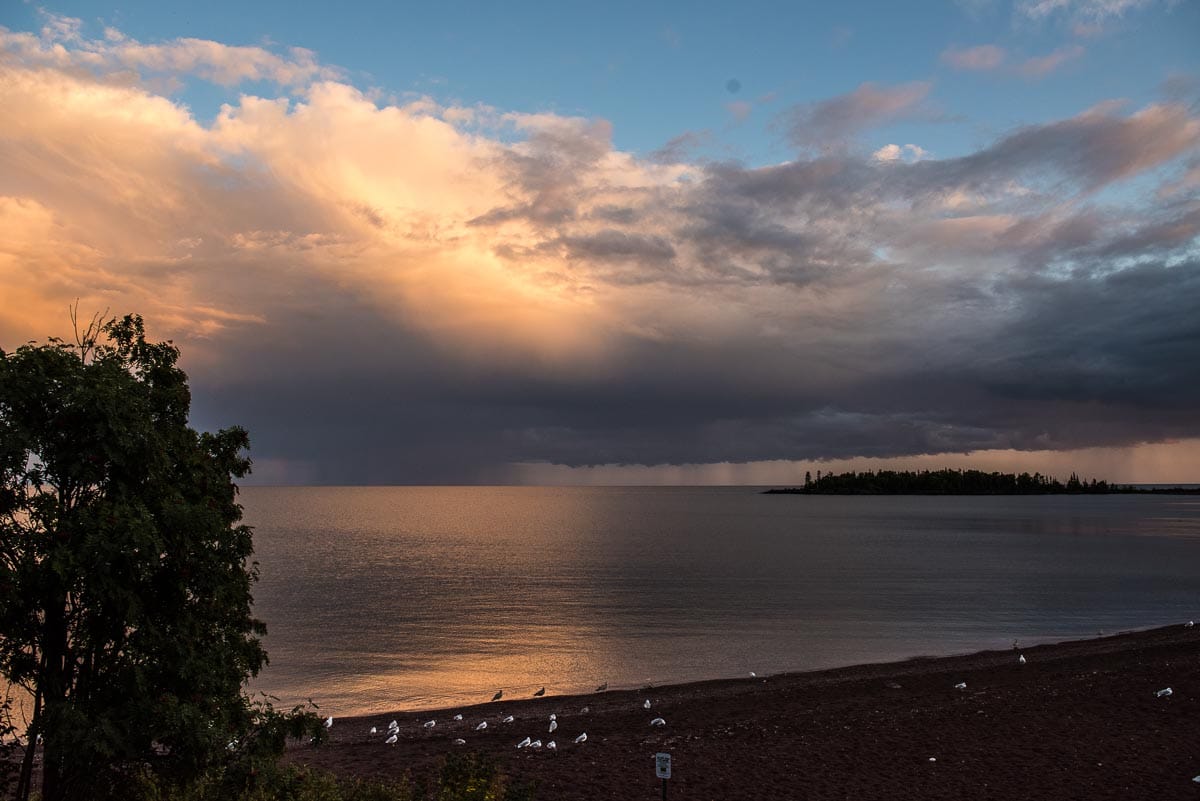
[
  {"x": 980, "y": 57},
  {"x": 62, "y": 44},
  {"x": 897, "y": 153},
  {"x": 1096, "y": 10},
  {"x": 832, "y": 122},
  {"x": 1040, "y": 66},
  {"x": 412, "y": 291}
]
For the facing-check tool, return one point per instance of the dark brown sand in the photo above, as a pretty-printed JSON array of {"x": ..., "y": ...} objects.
[{"x": 1080, "y": 720}]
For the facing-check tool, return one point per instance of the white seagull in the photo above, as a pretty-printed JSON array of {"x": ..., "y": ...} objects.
[
  {"x": 962, "y": 685},
  {"x": 753, "y": 675},
  {"x": 524, "y": 743},
  {"x": 429, "y": 724},
  {"x": 458, "y": 717},
  {"x": 329, "y": 722},
  {"x": 392, "y": 740},
  {"x": 1189, "y": 624},
  {"x": 460, "y": 741},
  {"x": 585, "y": 710},
  {"x": 581, "y": 738},
  {"x": 508, "y": 719},
  {"x": 658, "y": 722},
  {"x": 1021, "y": 659},
  {"x": 481, "y": 726},
  {"x": 1165, "y": 693},
  {"x": 393, "y": 725},
  {"x": 647, "y": 704},
  {"x": 551, "y": 746},
  {"x": 553, "y": 716},
  {"x": 553, "y": 726},
  {"x": 374, "y": 730},
  {"x": 536, "y": 744}
]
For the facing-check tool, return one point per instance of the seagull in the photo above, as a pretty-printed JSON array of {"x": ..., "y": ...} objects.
[
  {"x": 374, "y": 730},
  {"x": 658, "y": 722},
  {"x": 1189, "y": 624},
  {"x": 602, "y": 687},
  {"x": 647, "y": 704},
  {"x": 392, "y": 740},
  {"x": 1167, "y": 693},
  {"x": 581, "y": 738},
  {"x": 393, "y": 725},
  {"x": 329, "y": 722},
  {"x": 508, "y": 719},
  {"x": 753, "y": 675},
  {"x": 553, "y": 746},
  {"x": 429, "y": 724},
  {"x": 553, "y": 716},
  {"x": 498, "y": 694},
  {"x": 524, "y": 743},
  {"x": 460, "y": 741},
  {"x": 585, "y": 710},
  {"x": 1021, "y": 659},
  {"x": 536, "y": 744},
  {"x": 540, "y": 693},
  {"x": 458, "y": 717},
  {"x": 962, "y": 685},
  {"x": 481, "y": 726},
  {"x": 553, "y": 726}
]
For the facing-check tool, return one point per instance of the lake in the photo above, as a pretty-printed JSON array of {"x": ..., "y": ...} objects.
[{"x": 380, "y": 598}]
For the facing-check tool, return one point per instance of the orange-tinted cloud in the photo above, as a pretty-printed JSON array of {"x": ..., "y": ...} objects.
[{"x": 357, "y": 279}]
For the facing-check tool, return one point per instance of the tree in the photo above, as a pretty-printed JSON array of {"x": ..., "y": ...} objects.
[{"x": 124, "y": 572}]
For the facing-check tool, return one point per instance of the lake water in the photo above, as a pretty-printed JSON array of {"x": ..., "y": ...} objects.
[{"x": 381, "y": 598}]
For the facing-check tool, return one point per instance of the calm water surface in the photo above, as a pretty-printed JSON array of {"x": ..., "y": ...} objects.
[{"x": 405, "y": 597}]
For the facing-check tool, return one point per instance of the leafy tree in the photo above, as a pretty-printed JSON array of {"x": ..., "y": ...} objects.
[{"x": 124, "y": 573}]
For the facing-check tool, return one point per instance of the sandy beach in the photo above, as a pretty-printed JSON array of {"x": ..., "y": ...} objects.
[{"x": 1078, "y": 720}]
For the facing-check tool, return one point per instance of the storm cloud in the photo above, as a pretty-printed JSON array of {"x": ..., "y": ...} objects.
[{"x": 413, "y": 292}]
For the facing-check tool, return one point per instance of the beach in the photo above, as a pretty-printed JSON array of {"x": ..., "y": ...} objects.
[{"x": 1078, "y": 720}]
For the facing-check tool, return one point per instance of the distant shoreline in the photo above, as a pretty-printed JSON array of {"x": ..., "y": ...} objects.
[
  {"x": 965, "y": 482},
  {"x": 1115, "y": 490}
]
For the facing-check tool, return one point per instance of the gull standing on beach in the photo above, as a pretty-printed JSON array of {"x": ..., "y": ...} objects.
[
  {"x": 647, "y": 704},
  {"x": 1021, "y": 659},
  {"x": 329, "y": 722},
  {"x": 581, "y": 738},
  {"x": 481, "y": 726},
  {"x": 658, "y": 722},
  {"x": 499, "y": 694}
]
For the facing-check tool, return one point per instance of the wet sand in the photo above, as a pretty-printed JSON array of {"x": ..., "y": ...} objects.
[{"x": 1079, "y": 720}]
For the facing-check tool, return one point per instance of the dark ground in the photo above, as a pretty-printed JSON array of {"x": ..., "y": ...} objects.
[{"x": 1080, "y": 720}]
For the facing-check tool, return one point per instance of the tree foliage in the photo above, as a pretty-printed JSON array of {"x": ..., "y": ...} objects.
[{"x": 125, "y": 575}]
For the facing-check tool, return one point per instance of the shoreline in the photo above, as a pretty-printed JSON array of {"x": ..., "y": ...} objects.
[{"x": 1079, "y": 720}]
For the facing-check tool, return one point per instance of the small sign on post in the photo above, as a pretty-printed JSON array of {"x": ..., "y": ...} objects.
[{"x": 662, "y": 769}]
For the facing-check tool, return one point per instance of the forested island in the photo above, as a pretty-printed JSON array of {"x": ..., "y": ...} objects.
[{"x": 960, "y": 482}]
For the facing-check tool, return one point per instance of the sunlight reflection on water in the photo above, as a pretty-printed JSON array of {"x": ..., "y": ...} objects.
[{"x": 410, "y": 597}]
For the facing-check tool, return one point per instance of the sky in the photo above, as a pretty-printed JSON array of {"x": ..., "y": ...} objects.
[{"x": 627, "y": 243}]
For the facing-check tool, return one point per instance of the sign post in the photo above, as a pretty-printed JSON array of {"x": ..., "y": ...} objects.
[{"x": 662, "y": 769}]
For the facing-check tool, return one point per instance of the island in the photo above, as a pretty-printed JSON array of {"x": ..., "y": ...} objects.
[{"x": 962, "y": 482}]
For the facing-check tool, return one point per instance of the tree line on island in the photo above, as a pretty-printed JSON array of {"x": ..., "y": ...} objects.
[{"x": 958, "y": 482}]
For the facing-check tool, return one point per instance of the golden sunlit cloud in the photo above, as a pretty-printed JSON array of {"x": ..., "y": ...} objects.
[{"x": 520, "y": 261}]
